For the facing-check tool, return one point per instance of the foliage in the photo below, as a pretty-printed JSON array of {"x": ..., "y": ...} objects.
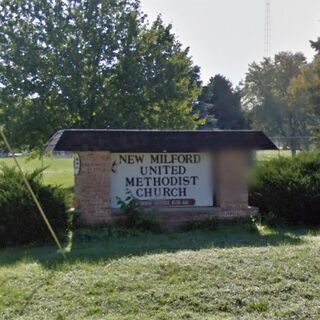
[
  {"x": 288, "y": 189},
  {"x": 316, "y": 45},
  {"x": 19, "y": 217},
  {"x": 228, "y": 273},
  {"x": 85, "y": 64},
  {"x": 306, "y": 88},
  {"x": 155, "y": 84},
  {"x": 135, "y": 216},
  {"x": 265, "y": 95},
  {"x": 220, "y": 104}
]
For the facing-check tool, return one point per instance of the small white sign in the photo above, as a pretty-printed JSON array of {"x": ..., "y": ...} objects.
[
  {"x": 76, "y": 164},
  {"x": 162, "y": 179}
]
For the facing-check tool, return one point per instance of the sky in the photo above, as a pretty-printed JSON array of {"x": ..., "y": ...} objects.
[{"x": 225, "y": 36}]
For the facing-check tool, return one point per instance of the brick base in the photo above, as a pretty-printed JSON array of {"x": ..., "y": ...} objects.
[{"x": 175, "y": 217}]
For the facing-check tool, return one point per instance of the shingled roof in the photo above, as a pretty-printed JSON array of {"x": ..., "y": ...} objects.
[{"x": 157, "y": 140}]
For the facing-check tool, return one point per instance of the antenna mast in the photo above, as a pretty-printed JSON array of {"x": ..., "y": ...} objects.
[{"x": 267, "y": 30}]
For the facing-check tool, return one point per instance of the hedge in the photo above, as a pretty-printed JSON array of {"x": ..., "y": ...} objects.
[
  {"x": 20, "y": 221},
  {"x": 288, "y": 189}
]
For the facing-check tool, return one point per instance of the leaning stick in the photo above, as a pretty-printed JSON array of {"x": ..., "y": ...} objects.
[{"x": 26, "y": 182}]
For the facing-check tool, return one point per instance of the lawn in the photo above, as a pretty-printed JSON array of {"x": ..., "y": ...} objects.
[
  {"x": 263, "y": 155},
  {"x": 58, "y": 171},
  {"x": 237, "y": 271}
]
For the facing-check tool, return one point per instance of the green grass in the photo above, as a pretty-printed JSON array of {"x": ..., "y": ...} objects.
[
  {"x": 232, "y": 272},
  {"x": 270, "y": 154},
  {"x": 59, "y": 171}
]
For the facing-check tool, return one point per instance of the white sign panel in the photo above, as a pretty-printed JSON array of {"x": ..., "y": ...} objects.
[
  {"x": 162, "y": 179},
  {"x": 76, "y": 164}
]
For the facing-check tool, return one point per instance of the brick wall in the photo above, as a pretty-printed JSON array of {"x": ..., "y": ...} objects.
[{"x": 92, "y": 187}]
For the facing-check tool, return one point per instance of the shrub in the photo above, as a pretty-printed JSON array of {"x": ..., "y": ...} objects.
[
  {"x": 288, "y": 189},
  {"x": 135, "y": 216},
  {"x": 20, "y": 220}
]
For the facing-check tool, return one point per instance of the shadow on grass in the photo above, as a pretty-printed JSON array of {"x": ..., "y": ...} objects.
[{"x": 92, "y": 245}]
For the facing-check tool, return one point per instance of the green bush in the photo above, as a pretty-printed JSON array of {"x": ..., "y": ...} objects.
[
  {"x": 135, "y": 216},
  {"x": 20, "y": 220},
  {"x": 288, "y": 189}
]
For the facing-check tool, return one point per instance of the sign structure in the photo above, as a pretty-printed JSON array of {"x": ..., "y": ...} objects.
[{"x": 162, "y": 179}]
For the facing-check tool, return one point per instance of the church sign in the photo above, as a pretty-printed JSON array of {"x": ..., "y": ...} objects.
[
  {"x": 162, "y": 179},
  {"x": 181, "y": 175}
]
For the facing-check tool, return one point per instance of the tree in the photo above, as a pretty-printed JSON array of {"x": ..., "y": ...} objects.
[
  {"x": 271, "y": 107},
  {"x": 157, "y": 79},
  {"x": 221, "y": 105},
  {"x": 90, "y": 64},
  {"x": 306, "y": 88},
  {"x": 316, "y": 45}
]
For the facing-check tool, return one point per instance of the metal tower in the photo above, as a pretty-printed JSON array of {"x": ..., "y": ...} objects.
[{"x": 267, "y": 30}]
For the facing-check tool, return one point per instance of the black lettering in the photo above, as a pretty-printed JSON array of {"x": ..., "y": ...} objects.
[
  {"x": 174, "y": 170},
  {"x": 139, "y": 193},
  {"x": 174, "y": 181},
  {"x": 148, "y": 180},
  {"x": 194, "y": 178},
  {"x": 182, "y": 170},
  {"x": 165, "y": 181},
  {"x": 189, "y": 158},
  {"x": 156, "y": 181},
  {"x": 148, "y": 192},
  {"x": 196, "y": 158},
  {"x": 166, "y": 169},
  {"x": 123, "y": 159},
  {"x": 182, "y": 192},
  {"x": 186, "y": 181},
  {"x": 130, "y": 159},
  {"x": 153, "y": 170},
  {"x": 139, "y": 182},
  {"x": 181, "y": 158},
  {"x": 166, "y": 192},
  {"x": 139, "y": 158},
  {"x": 173, "y": 158},
  {"x": 157, "y": 192},
  {"x": 129, "y": 182},
  {"x": 174, "y": 192},
  {"x": 154, "y": 158}
]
